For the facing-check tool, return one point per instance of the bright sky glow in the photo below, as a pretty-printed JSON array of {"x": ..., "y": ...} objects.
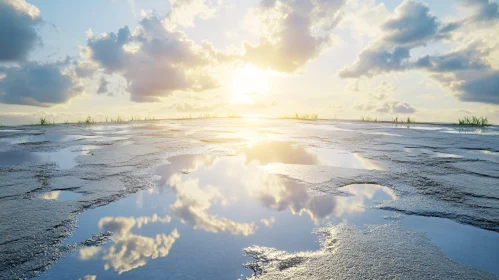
[{"x": 432, "y": 60}]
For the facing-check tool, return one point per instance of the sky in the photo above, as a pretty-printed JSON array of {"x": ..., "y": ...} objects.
[{"x": 433, "y": 61}]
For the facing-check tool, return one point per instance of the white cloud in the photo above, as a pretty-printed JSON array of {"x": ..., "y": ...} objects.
[
  {"x": 292, "y": 33},
  {"x": 129, "y": 250},
  {"x": 18, "y": 22},
  {"x": 193, "y": 203}
]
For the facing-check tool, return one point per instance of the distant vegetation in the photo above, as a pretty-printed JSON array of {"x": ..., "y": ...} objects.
[
  {"x": 210, "y": 116},
  {"x": 395, "y": 119},
  {"x": 44, "y": 121},
  {"x": 88, "y": 120},
  {"x": 474, "y": 121},
  {"x": 297, "y": 116},
  {"x": 91, "y": 120},
  {"x": 368, "y": 119}
]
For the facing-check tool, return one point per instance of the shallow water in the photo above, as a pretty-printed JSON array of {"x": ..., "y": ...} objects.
[
  {"x": 214, "y": 206},
  {"x": 185, "y": 198},
  {"x": 207, "y": 208},
  {"x": 64, "y": 158},
  {"x": 60, "y": 195}
]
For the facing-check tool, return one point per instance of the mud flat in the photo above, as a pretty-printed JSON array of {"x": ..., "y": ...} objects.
[{"x": 237, "y": 198}]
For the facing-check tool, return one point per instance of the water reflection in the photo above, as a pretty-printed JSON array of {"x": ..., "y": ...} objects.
[
  {"x": 130, "y": 250},
  {"x": 201, "y": 181},
  {"x": 193, "y": 203},
  {"x": 60, "y": 195},
  {"x": 217, "y": 204},
  {"x": 291, "y": 153},
  {"x": 281, "y": 152},
  {"x": 65, "y": 158}
]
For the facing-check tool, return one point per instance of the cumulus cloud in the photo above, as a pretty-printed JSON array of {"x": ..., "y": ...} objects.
[
  {"x": 108, "y": 50},
  {"x": 38, "y": 84},
  {"x": 411, "y": 26},
  {"x": 402, "y": 108},
  {"x": 88, "y": 253},
  {"x": 464, "y": 70},
  {"x": 129, "y": 250},
  {"x": 474, "y": 86},
  {"x": 183, "y": 12},
  {"x": 193, "y": 203},
  {"x": 471, "y": 57},
  {"x": 18, "y": 23},
  {"x": 103, "y": 83},
  {"x": 294, "y": 32},
  {"x": 388, "y": 107},
  {"x": 375, "y": 60},
  {"x": 484, "y": 10},
  {"x": 154, "y": 60},
  {"x": 268, "y": 222}
]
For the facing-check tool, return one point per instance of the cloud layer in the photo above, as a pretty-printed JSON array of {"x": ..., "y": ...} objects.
[
  {"x": 155, "y": 60},
  {"x": 464, "y": 70},
  {"x": 18, "y": 23},
  {"x": 129, "y": 250},
  {"x": 38, "y": 84},
  {"x": 294, "y": 32}
]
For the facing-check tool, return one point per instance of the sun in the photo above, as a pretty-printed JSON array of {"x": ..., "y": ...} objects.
[{"x": 249, "y": 84}]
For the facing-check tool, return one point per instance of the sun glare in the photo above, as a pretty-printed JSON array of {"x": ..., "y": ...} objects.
[{"x": 249, "y": 82}]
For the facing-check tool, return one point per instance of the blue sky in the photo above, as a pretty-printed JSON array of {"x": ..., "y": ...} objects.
[{"x": 429, "y": 60}]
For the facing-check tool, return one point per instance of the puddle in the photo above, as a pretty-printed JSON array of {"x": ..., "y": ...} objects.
[
  {"x": 47, "y": 137},
  {"x": 462, "y": 243},
  {"x": 420, "y": 151},
  {"x": 205, "y": 209},
  {"x": 64, "y": 159},
  {"x": 292, "y": 153},
  {"x": 60, "y": 195},
  {"x": 204, "y": 204}
]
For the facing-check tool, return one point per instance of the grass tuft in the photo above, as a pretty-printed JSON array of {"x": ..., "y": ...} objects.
[
  {"x": 474, "y": 121},
  {"x": 44, "y": 121},
  {"x": 297, "y": 116},
  {"x": 368, "y": 119}
]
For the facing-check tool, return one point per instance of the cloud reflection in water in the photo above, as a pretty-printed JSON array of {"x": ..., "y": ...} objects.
[
  {"x": 130, "y": 250},
  {"x": 202, "y": 181}
]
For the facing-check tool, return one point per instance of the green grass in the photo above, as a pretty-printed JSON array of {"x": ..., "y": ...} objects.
[
  {"x": 88, "y": 120},
  {"x": 44, "y": 121},
  {"x": 297, "y": 116},
  {"x": 210, "y": 116},
  {"x": 368, "y": 119},
  {"x": 474, "y": 121}
]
